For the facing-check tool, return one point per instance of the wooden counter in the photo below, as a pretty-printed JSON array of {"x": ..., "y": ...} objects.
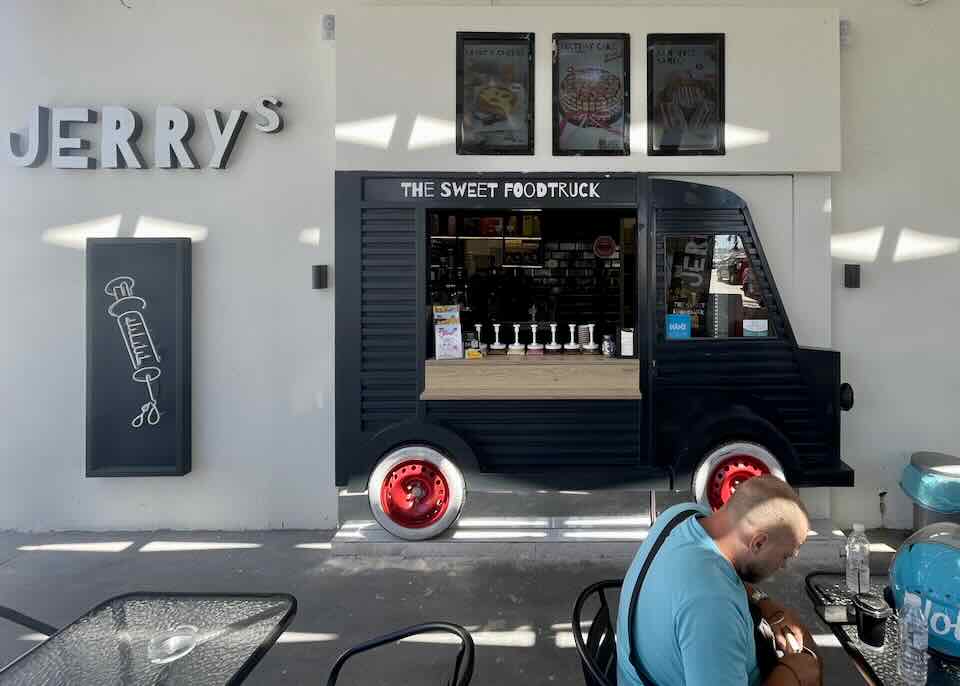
[{"x": 561, "y": 377}]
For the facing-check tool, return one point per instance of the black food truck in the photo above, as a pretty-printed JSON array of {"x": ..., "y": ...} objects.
[{"x": 569, "y": 331}]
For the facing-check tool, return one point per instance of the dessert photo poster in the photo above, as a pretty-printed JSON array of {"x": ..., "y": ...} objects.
[
  {"x": 591, "y": 94},
  {"x": 494, "y": 93},
  {"x": 685, "y": 96}
]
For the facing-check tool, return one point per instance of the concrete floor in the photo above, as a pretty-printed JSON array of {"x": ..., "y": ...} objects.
[{"x": 517, "y": 606}]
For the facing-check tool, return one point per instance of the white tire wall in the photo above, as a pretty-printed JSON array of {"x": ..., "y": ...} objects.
[
  {"x": 707, "y": 471},
  {"x": 389, "y": 464}
]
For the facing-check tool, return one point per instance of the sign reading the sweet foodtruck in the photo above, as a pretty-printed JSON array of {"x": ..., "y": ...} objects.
[
  {"x": 522, "y": 190},
  {"x": 591, "y": 94}
]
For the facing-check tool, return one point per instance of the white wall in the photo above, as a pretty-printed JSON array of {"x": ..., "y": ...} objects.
[
  {"x": 410, "y": 53},
  {"x": 899, "y": 332},
  {"x": 262, "y": 446},
  {"x": 262, "y": 341}
]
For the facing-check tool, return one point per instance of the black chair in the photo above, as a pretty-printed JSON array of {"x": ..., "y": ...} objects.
[
  {"x": 598, "y": 653},
  {"x": 462, "y": 668}
]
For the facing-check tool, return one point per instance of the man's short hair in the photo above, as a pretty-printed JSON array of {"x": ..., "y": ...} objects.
[{"x": 766, "y": 502}]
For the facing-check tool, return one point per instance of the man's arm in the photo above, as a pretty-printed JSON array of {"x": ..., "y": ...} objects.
[
  {"x": 713, "y": 639},
  {"x": 796, "y": 668},
  {"x": 714, "y": 648},
  {"x": 782, "y": 620}
]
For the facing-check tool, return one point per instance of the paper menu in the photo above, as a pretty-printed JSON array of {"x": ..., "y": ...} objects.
[
  {"x": 446, "y": 314},
  {"x": 447, "y": 332},
  {"x": 449, "y": 341}
]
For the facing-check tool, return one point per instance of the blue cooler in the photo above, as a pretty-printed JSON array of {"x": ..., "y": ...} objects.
[
  {"x": 928, "y": 564},
  {"x": 932, "y": 480}
]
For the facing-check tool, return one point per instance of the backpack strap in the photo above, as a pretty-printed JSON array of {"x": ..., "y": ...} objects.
[{"x": 671, "y": 525}]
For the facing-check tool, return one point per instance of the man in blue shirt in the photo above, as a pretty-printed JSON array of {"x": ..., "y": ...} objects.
[{"x": 693, "y": 625}]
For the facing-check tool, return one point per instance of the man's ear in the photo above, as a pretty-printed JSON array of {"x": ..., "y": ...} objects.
[{"x": 759, "y": 540}]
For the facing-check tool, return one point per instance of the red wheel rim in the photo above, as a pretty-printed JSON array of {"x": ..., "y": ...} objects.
[
  {"x": 414, "y": 494},
  {"x": 729, "y": 474}
]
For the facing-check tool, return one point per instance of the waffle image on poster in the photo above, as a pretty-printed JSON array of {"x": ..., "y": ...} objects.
[
  {"x": 591, "y": 94},
  {"x": 685, "y": 98},
  {"x": 494, "y": 93}
]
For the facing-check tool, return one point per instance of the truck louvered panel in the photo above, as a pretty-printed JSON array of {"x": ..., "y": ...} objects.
[
  {"x": 388, "y": 318},
  {"x": 382, "y": 344},
  {"x": 379, "y": 400},
  {"x": 697, "y": 367},
  {"x": 383, "y": 362},
  {"x": 712, "y": 226},
  {"x": 734, "y": 382},
  {"x": 729, "y": 350},
  {"x": 383, "y": 314},
  {"x": 765, "y": 286},
  {"x": 769, "y": 374},
  {"x": 374, "y": 296},
  {"x": 518, "y": 433},
  {"x": 386, "y": 276},
  {"x": 700, "y": 214},
  {"x": 389, "y": 262}
]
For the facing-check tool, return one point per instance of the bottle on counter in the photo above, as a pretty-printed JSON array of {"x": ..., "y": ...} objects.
[
  {"x": 912, "y": 662},
  {"x": 608, "y": 348},
  {"x": 858, "y": 561}
]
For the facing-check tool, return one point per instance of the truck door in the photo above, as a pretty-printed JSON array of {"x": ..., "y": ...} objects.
[{"x": 732, "y": 399}]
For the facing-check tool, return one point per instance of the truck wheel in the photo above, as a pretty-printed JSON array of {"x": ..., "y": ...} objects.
[
  {"x": 729, "y": 465},
  {"x": 416, "y": 492}
]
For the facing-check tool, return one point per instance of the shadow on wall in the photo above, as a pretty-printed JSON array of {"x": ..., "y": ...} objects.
[{"x": 431, "y": 132}]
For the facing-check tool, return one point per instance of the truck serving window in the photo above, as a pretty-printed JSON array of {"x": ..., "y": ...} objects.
[
  {"x": 529, "y": 267},
  {"x": 712, "y": 289}
]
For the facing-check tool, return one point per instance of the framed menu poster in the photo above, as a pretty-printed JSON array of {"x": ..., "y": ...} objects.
[
  {"x": 495, "y": 93},
  {"x": 591, "y": 94},
  {"x": 685, "y": 94}
]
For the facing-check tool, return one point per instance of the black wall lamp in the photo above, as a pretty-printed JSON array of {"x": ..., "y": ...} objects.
[
  {"x": 851, "y": 276},
  {"x": 319, "y": 276}
]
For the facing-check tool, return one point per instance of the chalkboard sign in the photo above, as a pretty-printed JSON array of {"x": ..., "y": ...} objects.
[{"x": 138, "y": 357}]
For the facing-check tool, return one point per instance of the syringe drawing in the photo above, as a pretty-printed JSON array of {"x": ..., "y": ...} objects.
[{"x": 127, "y": 309}]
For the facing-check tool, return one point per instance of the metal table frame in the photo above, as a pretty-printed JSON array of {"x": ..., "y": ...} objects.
[
  {"x": 944, "y": 669},
  {"x": 869, "y": 675},
  {"x": 249, "y": 664}
]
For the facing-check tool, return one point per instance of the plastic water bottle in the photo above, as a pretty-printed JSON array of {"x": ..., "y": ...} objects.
[
  {"x": 858, "y": 561},
  {"x": 913, "y": 642}
]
